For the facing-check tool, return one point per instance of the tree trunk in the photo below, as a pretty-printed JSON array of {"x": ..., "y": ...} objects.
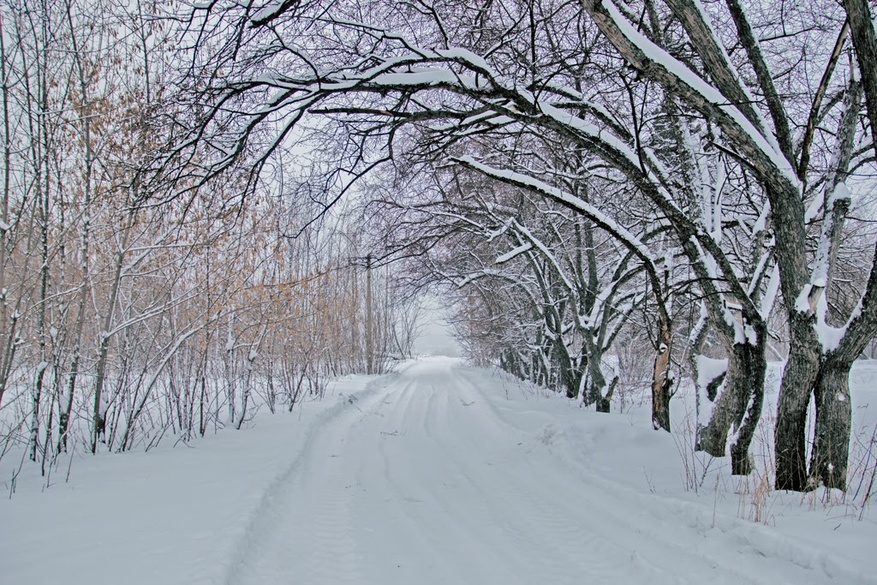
[
  {"x": 743, "y": 386},
  {"x": 753, "y": 369},
  {"x": 7, "y": 333},
  {"x": 727, "y": 412},
  {"x": 572, "y": 379},
  {"x": 569, "y": 372},
  {"x": 604, "y": 402},
  {"x": 661, "y": 380},
  {"x": 229, "y": 374},
  {"x": 833, "y": 406},
  {"x": 597, "y": 392},
  {"x": 799, "y": 378},
  {"x": 828, "y": 462},
  {"x": 369, "y": 319},
  {"x": 98, "y": 411},
  {"x": 85, "y": 116},
  {"x": 248, "y": 379}
]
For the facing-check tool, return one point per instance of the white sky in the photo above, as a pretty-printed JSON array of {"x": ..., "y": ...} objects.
[{"x": 436, "y": 338}]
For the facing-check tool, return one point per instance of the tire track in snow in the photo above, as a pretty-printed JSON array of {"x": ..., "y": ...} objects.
[
  {"x": 445, "y": 550},
  {"x": 401, "y": 541},
  {"x": 265, "y": 516},
  {"x": 547, "y": 546},
  {"x": 331, "y": 551},
  {"x": 559, "y": 535},
  {"x": 457, "y": 515},
  {"x": 461, "y": 513}
]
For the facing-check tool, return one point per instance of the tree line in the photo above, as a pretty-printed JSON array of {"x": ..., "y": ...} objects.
[
  {"x": 704, "y": 166},
  {"x": 132, "y": 310},
  {"x": 683, "y": 182}
]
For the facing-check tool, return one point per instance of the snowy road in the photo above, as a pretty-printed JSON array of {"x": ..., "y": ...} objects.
[
  {"x": 439, "y": 473},
  {"x": 423, "y": 479}
]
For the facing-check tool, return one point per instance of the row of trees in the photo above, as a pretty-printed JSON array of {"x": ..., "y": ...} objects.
[
  {"x": 683, "y": 179},
  {"x": 669, "y": 159},
  {"x": 131, "y": 309}
]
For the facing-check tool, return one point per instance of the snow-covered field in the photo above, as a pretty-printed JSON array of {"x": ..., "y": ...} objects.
[{"x": 437, "y": 473}]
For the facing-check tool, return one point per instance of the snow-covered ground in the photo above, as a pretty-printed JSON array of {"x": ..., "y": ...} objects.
[{"x": 437, "y": 473}]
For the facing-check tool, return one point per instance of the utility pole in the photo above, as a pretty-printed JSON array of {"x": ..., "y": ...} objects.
[{"x": 369, "y": 317}]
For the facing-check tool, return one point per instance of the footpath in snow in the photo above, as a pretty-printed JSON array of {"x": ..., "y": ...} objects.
[{"x": 439, "y": 473}]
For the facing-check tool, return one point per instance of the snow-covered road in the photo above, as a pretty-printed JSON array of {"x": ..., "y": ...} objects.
[
  {"x": 424, "y": 480},
  {"x": 438, "y": 473}
]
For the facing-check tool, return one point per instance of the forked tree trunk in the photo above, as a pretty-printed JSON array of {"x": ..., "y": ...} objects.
[
  {"x": 604, "y": 401},
  {"x": 753, "y": 367},
  {"x": 727, "y": 411},
  {"x": 738, "y": 407},
  {"x": 597, "y": 392},
  {"x": 572, "y": 379},
  {"x": 570, "y": 374}
]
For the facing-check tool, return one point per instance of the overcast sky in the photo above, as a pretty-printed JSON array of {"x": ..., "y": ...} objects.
[{"x": 436, "y": 338}]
